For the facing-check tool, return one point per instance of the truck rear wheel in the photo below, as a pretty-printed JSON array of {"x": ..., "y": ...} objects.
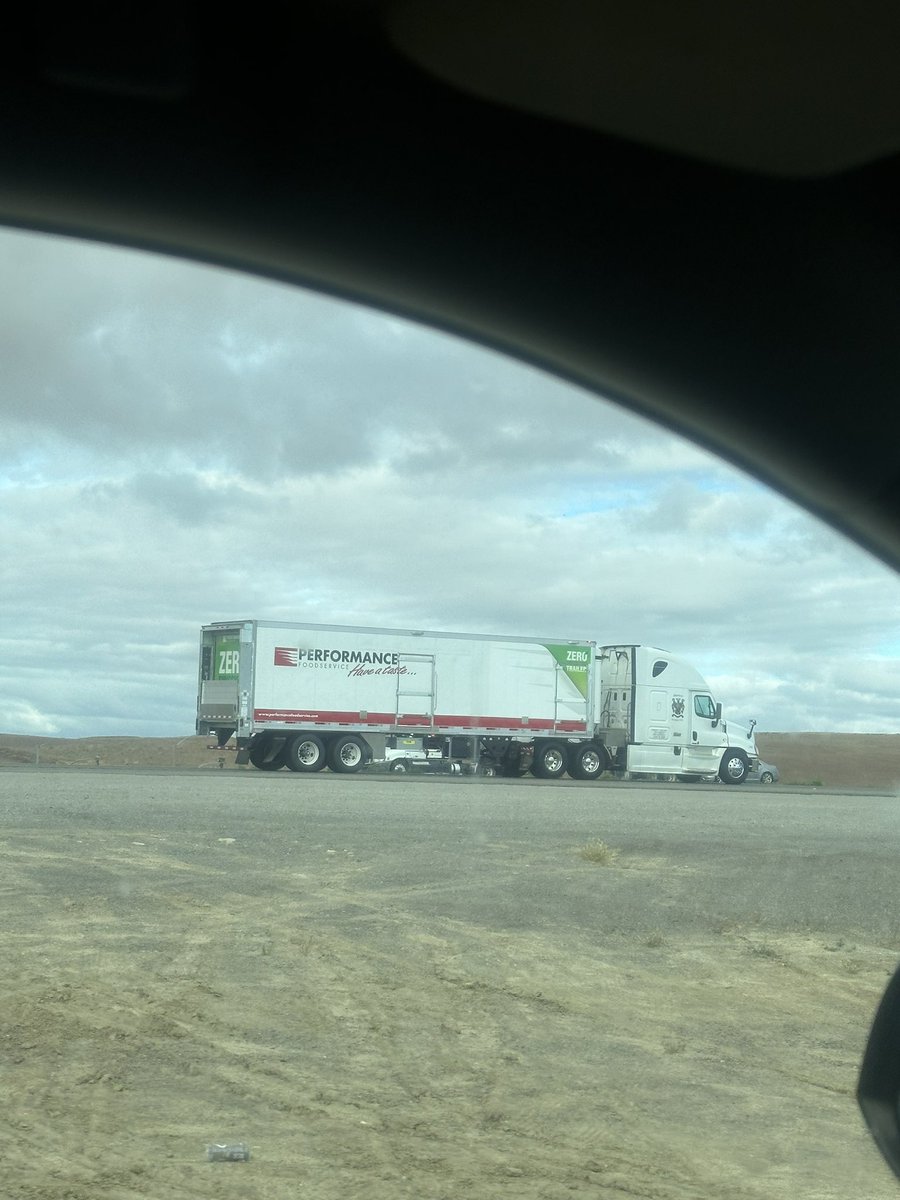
[
  {"x": 586, "y": 762},
  {"x": 262, "y": 756},
  {"x": 347, "y": 754},
  {"x": 734, "y": 766},
  {"x": 549, "y": 760},
  {"x": 306, "y": 753}
]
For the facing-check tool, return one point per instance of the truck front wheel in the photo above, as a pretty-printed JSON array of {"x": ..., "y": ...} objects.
[
  {"x": 306, "y": 753},
  {"x": 347, "y": 754},
  {"x": 549, "y": 760},
  {"x": 586, "y": 762},
  {"x": 734, "y": 767}
]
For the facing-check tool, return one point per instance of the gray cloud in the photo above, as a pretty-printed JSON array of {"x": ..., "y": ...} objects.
[{"x": 181, "y": 445}]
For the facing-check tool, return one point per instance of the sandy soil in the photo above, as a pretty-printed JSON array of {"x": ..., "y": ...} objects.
[{"x": 170, "y": 985}]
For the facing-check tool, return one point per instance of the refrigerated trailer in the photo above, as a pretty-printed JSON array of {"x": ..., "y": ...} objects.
[{"x": 307, "y": 697}]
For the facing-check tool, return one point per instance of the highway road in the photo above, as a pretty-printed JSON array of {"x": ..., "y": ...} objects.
[{"x": 491, "y": 850}]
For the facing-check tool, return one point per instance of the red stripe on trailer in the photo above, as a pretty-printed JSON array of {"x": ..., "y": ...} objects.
[
  {"x": 286, "y": 716},
  {"x": 294, "y": 716}
]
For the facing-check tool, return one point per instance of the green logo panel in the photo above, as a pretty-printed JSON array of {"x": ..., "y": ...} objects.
[
  {"x": 576, "y": 662},
  {"x": 226, "y": 658}
]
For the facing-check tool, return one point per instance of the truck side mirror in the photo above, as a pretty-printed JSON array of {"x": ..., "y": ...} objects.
[
  {"x": 878, "y": 1092},
  {"x": 718, "y": 714}
]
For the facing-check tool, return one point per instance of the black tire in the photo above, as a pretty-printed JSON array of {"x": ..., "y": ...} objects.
[
  {"x": 487, "y": 770},
  {"x": 767, "y": 777},
  {"x": 347, "y": 754},
  {"x": 587, "y": 761},
  {"x": 399, "y": 767},
  {"x": 306, "y": 753},
  {"x": 549, "y": 760},
  {"x": 734, "y": 766},
  {"x": 261, "y": 755}
]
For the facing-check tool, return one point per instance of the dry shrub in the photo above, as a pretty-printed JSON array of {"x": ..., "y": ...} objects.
[{"x": 598, "y": 852}]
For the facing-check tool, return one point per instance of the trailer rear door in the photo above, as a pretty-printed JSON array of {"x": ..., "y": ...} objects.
[{"x": 220, "y": 661}]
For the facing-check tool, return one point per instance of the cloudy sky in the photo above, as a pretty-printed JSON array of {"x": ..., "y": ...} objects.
[{"x": 180, "y": 445}]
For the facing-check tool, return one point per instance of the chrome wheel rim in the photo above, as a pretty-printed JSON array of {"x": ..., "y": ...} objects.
[
  {"x": 308, "y": 754},
  {"x": 350, "y": 754},
  {"x": 553, "y": 761}
]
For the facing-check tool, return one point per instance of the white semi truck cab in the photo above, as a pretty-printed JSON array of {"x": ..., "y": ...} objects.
[{"x": 657, "y": 716}]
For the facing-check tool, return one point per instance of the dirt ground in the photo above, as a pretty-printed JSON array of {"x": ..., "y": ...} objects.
[
  {"x": 834, "y": 760},
  {"x": 843, "y": 760},
  {"x": 176, "y": 980}
]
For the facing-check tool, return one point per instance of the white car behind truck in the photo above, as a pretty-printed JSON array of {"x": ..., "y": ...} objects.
[
  {"x": 306, "y": 697},
  {"x": 403, "y": 754}
]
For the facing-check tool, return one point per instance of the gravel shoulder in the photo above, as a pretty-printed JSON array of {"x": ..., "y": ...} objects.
[{"x": 424, "y": 988}]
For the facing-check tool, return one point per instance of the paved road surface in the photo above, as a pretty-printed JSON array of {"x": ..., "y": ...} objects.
[{"x": 490, "y": 850}]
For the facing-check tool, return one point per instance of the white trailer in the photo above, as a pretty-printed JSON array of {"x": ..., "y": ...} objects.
[{"x": 306, "y": 696}]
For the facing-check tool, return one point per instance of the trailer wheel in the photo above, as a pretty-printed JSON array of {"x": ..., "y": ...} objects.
[
  {"x": 347, "y": 754},
  {"x": 586, "y": 762},
  {"x": 549, "y": 761},
  {"x": 306, "y": 753},
  {"x": 261, "y": 755},
  {"x": 734, "y": 767}
]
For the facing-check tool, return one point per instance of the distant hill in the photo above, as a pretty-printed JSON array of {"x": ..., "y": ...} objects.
[
  {"x": 830, "y": 759},
  {"x": 867, "y": 760},
  {"x": 16, "y": 749}
]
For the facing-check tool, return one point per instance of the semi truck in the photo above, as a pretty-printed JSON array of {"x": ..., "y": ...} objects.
[{"x": 306, "y": 697}]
